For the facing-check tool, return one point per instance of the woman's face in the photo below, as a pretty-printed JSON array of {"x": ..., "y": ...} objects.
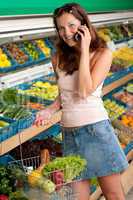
[{"x": 67, "y": 27}]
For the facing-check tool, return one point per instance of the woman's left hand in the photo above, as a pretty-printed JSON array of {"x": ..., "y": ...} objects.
[{"x": 84, "y": 32}]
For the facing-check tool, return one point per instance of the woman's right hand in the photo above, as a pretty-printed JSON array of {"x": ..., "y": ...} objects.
[{"x": 43, "y": 117}]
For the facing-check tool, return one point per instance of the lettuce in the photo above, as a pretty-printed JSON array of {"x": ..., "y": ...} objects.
[{"x": 71, "y": 166}]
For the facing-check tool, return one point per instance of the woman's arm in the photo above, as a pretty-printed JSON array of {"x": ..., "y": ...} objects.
[
  {"x": 43, "y": 116},
  {"x": 56, "y": 105},
  {"x": 89, "y": 79}
]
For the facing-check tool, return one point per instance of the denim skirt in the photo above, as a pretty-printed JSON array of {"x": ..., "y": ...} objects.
[{"x": 98, "y": 144}]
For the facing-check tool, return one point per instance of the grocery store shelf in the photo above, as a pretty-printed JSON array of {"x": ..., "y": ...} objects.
[
  {"x": 27, "y": 134},
  {"x": 118, "y": 75},
  {"x": 25, "y": 75},
  {"x": 117, "y": 83}
]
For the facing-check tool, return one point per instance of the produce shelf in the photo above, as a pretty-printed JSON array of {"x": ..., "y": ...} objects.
[
  {"x": 118, "y": 75},
  {"x": 117, "y": 83},
  {"x": 27, "y": 134}
]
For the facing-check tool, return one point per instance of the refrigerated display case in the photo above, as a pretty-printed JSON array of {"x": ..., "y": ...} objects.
[{"x": 20, "y": 31}]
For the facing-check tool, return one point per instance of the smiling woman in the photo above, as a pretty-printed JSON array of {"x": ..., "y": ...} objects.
[{"x": 81, "y": 67}]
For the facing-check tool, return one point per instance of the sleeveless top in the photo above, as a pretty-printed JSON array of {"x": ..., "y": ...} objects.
[{"x": 75, "y": 110}]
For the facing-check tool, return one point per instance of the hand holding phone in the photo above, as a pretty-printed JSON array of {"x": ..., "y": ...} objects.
[
  {"x": 77, "y": 37},
  {"x": 83, "y": 34}
]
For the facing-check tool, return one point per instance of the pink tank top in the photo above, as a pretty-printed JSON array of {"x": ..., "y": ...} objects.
[{"x": 75, "y": 110}]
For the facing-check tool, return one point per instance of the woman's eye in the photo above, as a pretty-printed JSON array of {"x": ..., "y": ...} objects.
[{"x": 72, "y": 25}]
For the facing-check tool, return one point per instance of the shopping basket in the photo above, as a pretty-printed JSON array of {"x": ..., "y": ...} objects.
[{"x": 53, "y": 185}]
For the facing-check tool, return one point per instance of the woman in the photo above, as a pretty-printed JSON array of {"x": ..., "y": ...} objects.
[{"x": 82, "y": 62}]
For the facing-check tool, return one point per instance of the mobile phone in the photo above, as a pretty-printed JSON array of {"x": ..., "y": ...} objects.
[{"x": 77, "y": 37}]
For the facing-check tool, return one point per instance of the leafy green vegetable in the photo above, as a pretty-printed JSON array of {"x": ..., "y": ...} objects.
[
  {"x": 6, "y": 180},
  {"x": 72, "y": 166},
  {"x": 10, "y": 96},
  {"x": 18, "y": 195}
]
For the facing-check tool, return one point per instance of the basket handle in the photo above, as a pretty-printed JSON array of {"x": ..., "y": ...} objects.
[{"x": 45, "y": 158}]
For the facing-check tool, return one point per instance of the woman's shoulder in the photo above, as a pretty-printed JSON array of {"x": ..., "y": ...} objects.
[
  {"x": 102, "y": 52},
  {"x": 105, "y": 52}
]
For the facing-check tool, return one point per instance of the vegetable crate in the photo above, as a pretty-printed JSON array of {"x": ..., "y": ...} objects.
[{"x": 50, "y": 179}]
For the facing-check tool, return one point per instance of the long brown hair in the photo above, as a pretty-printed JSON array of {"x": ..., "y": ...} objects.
[{"x": 69, "y": 56}]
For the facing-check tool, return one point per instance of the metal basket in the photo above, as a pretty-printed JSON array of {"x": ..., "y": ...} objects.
[
  {"x": 27, "y": 164},
  {"x": 63, "y": 191}
]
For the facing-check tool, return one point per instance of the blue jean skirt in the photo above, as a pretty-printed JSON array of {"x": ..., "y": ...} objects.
[{"x": 98, "y": 144}]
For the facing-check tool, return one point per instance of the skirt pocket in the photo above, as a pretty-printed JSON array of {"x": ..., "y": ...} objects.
[{"x": 103, "y": 131}]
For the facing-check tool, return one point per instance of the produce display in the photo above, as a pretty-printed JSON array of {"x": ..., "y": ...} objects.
[
  {"x": 4, "y": 61},
  {"x": 116, "y": 32},
  {"x": 23, "y": 54},
  {"x": 43, "y": 90},
  {"x": 129, "y": 88},
  {"x": 12, "y": 105},
  {"x": 44, "y": 48},
  {"x": 31, "y": 48},
  {"x": 8, "y": 184},
  {"x": 34, "y": 105},
  {"x": 124, "y": 137},
  {"x": 122, "y": 56},
  {"x": 127, "y": 119},
  {"x": 113, "y": 108},
  {"x": 125, "y": 95},
  {"x": 16, "y": 53},
  {"x": 3, "y": 123},
  {"x": 125, "y": 54},
  {"x": 14, "y": 112},
  {"x": 10, "y": 96},
  {"x": 118, "y": 64}
]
